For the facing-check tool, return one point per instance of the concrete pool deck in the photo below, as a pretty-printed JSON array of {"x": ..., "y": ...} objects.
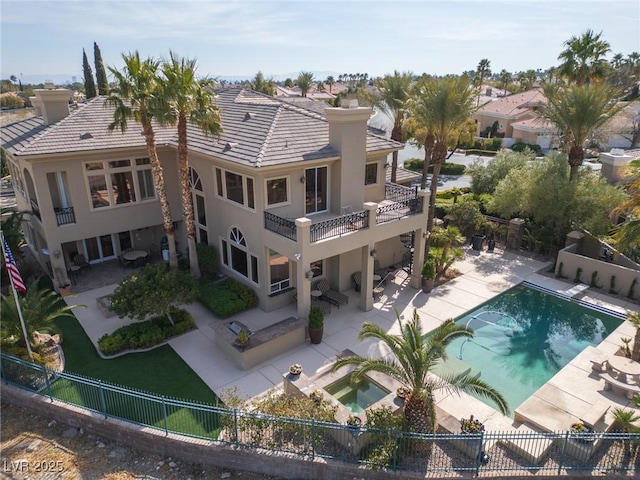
[{"x": 484, "y": 275}]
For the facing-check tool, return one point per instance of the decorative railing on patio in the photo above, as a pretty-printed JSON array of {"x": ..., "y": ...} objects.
[
  {"x": 335, "y": 227},
  {"x": 449, "y": 454},
  {"x": 35, "y": 208},
  {"x": 279, "y": 225},
  {"x": 65, "y": 216},
  {"x": 398, "y": 193}
]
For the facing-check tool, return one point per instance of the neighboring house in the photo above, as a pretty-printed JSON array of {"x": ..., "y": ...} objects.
[
  {"x": 520, "y": 123},
  {"x": 282, "y": 194}
]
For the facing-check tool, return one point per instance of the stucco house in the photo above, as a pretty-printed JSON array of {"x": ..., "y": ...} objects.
[{"x": 285, "y": 194}]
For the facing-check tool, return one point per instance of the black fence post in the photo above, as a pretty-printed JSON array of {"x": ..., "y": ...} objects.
[
  {"x": 103, "y": 402},
  {"x": 562, "y": 453},
  {"x": 164, "y": 414}
]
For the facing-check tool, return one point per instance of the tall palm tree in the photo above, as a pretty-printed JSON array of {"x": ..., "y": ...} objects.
[
  {"x": 505, "y": 79},
  {"x": 330, "y": 81},
  {"x": 304, "y": 81},
  {"x": 441, "y": 106},
  {"x": 135, "y": 97},
  {"x": 188, "y": 100},
  {"x": 483, "y": 71},
  {"x": 577, "y": 112},
  {"x": 392, "y": 100},
  {"x": 413, "y": 356},
  {"x": 628, "y": 233},
  {"x": 583, "y": 58}
]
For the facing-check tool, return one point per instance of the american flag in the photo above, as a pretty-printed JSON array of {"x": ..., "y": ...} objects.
[{"x": 12, "y": 268}]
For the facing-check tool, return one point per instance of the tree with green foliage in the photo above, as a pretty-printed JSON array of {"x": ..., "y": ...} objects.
[
  {"x": 583, "y": 59},
  {"x": 627, "y": 234},
  {"x": 505, "y": 79},
  {"x": 392, "y": 97},
  {"x": 577, "y": 112},
  {"x": 89, "y": 82},
  {"x": 152, "y": 292},
  {"x": 288, "y": 83},
  {"x": 543, "y": 192},
  {"x": 12, "y": 229},
  {"x": 440, "y": 106},
  {"x": 413, "y": 357},
  {"x": 136, "y": 96},
  {"x": 634, "y": 318},
  {"x": 101, "y": 73},
  {"x": 483, "y": 71},
  {"x": 446, "y": 243},
  {"x": 466, "y": 215},
  {"x": 262, "y": 85},
  {"x": 40, "y": 306},
  {"x": 330, "y": 81},
  {"x": 485, "y": 178},
  {"x": 187, "y": 100},
  {"x": 304, "y": 82}
]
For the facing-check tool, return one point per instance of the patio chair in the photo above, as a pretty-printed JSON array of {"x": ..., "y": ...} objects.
[
  {"x": 331, "y": 296},
  {"x": 81, "y": 262},
  {"x": 357, "y": 280},
  {"x": 378, "y": 270}
]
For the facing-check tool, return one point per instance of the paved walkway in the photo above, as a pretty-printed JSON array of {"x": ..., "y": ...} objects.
[{"x": 485, "y": 275}]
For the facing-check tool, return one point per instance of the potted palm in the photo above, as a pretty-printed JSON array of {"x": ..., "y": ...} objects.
[
  {"x": 428, "y": 275},
  {"x": 316, "y": 324},
  {"x": 242, "y": 338}
]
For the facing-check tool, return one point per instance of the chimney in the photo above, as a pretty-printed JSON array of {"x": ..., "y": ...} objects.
[
  {"x": 348, "y": 135},
  {"x": 52, "y": 103}
]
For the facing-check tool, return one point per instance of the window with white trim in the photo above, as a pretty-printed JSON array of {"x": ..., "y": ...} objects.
[
  {"x": 277, "y": 191},
  {"x": 371, "y": 173},
  {"x": 279, "y": 272},
  {"x": 118, "y": 182},
  {"x": 199, "y": 211},
  {"x": 236, "y": 256},
  {"x": 235, "y": 187}
]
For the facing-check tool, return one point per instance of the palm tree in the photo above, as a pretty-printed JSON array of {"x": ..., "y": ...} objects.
[
  {"x": 634, "y": 318},
  {"x": 441, "y": 106},
  {"x": 330, "y": 81},
  {"x": 577, "y": 112},
  {"x": 628, "y": 233},
  {"x": 445, "y": 249},
  {"x": 413, "y": 356},
  {"x": 188, "y": 100},
  {"x": 392, "y": 100},
  {"x": 505, "y": 78},
  {"x": 482, "y": 72},
  {"x": 617, "y": 60},
  {"x": 40, "y": 307},
  {"x": 583, "y": 58},
  {"x": 304, "y": 81},
  {"x": 135, "y": 97}
]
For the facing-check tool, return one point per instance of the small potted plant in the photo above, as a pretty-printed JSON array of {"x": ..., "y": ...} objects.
[
  {"x": 354, "y": 421},
  {"x": 242, "y": 338},
  {"x": 316, "y": 324},
  {"x": 471, "y": 425},
  {"x": 317, "y": 395},
  {"x": 428, "y": 273},
  {"x": 295, "y": 369},
  {"x": 582, "y": 432},
  {"x": 402, "y": 392}
]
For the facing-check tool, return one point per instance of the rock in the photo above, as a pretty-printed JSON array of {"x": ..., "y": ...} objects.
[
  {"x": 33, "y": 446},
  {"x": 70, "y": 432},
  {"x": 173, "y": 464},
  {"x": 117, "y": 453},
  {"x": 100, "y": 445},
  {"x": 225, "y": 475},
  {"x": 81, "y": 432},
  {"x": 52, "y": 423}
]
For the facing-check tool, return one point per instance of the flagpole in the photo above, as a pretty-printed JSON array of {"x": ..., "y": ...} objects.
[{"x": 15, "y": 296}]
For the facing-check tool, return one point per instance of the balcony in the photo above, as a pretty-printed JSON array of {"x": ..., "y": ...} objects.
[
  {"x": 65, "y": 216},
  {"x": 35, "y": 209},
  {"x": 399, "y": 203}
]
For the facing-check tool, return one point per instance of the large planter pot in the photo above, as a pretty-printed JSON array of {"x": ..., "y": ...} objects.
[
  {"x": 491, "y": 245},
  {"x": 65, "y": 291},
  {"x": 315, "y": 335},
  {"x": 427, "y": 284},
  {"x": 477, "y": 241}
]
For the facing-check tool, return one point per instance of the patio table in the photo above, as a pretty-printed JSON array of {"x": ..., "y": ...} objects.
[
  {"x": 134, "y": 255},
  {"x": 624, "y": 366}
]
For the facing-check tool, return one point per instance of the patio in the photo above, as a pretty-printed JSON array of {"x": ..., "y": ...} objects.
[{"x": 484, "y": 275}]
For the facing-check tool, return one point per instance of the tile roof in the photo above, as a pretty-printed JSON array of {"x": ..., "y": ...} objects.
[
  {"x": 257, "y": 130},
  {"x": 514, "y": 105}
]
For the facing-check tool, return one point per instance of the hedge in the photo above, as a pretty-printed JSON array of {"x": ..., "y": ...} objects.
[
  {"x": 519, "y": 147},
  {"x": 227, "y": 298},
  {"x": 146, "y": 334},
  {"x": 416, "y": 164}
]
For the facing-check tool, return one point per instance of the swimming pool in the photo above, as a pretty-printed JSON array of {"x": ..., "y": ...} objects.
[{"x": 523, "y": 337}]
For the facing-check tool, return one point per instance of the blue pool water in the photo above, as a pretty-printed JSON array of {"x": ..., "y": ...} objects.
[{"x": 523, "y": 337}]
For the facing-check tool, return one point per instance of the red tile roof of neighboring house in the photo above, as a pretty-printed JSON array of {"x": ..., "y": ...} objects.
[{"x": 514, "y": 105}]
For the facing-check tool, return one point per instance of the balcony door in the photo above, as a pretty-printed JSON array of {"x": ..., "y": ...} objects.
[{"x": 316, "y": 188}]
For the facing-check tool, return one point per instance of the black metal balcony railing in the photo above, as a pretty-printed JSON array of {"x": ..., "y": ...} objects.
[
  {"x": 279, "y": 225},
  {"x": 338, "y": 226},
  {"x": 35, "y": 209},
  {"x": 65, "y": 216},
  {"x": 404, "y": 202},
  {"x": 398, "y": 193}
]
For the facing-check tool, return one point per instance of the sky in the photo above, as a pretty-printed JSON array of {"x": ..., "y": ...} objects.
[{"x": 43, "y": 40}]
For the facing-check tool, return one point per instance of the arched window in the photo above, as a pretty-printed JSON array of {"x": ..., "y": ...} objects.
[
  {"x": 236, "y": 256},
  {"x": 199, "y": 210}
]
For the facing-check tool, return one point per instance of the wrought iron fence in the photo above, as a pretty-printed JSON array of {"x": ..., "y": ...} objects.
[
  {"x": 398, "y": 193},
  {"x": 335, "y": 227},
  {"x": 487, "y": 453},
  {"x": 279, "y": 225},
  {"x": 65, "y": 216}
]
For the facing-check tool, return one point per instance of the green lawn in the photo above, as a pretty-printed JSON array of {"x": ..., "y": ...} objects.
[{"x": 159, "y": 371}]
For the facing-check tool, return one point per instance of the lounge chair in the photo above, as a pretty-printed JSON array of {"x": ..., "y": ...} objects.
[
  {"x": 331, "y": 296},
  {"x": 357, "y": 280}
]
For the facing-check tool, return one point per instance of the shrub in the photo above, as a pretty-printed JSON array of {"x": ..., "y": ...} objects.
[
  {"x": 520, "y": 147},
  {"x": 146, "y": 334},
  {"x": 416, "y": 165},
  {"x": 226, "y": 298},
  {"x": 207, "y": 260}
]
